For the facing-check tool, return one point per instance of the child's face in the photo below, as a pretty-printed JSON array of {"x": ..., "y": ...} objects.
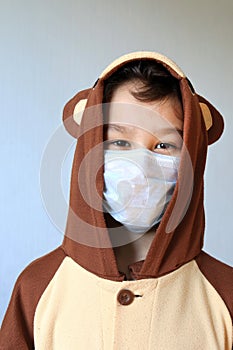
[{"x": 132, "y": 123}]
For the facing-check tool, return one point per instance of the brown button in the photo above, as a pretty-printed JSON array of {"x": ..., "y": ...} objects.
[{"x": 125, "y": 297}]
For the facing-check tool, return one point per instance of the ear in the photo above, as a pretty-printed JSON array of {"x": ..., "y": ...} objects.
[
  {"x": 213, "y": 120},
  {"x": 73, "y": 111}
]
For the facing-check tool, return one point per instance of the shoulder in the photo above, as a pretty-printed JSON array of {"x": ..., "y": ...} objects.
[
  {"x": 220, "y": 275},
  {"x": 34, "y": 279},
  {"x": 17, "y": 326},
  {"x": 42, "y": 269}
]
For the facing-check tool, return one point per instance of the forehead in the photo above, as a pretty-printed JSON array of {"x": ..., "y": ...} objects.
[{"x": 153, "y": 116}]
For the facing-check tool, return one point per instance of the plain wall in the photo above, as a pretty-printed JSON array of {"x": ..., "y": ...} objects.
[{"x": 52, "y": 49}]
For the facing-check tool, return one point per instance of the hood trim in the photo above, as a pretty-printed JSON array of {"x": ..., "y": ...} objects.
[{"x": 142, "y": 55}]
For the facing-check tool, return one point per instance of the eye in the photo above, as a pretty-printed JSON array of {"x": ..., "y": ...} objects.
[
  {"x": 163, "y": 145},
  {"x": 117, "y": 144},
  {"x": 121, "y": 143},
  {"x": 167, "y": 149}
]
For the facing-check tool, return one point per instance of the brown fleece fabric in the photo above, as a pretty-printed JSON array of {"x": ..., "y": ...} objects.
[
  {"x": 219, "y": 275},
  {"x": 168, "y": 251}
]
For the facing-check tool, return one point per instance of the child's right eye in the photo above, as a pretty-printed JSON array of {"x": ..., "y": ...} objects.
[{"x": 118, "y": 144}]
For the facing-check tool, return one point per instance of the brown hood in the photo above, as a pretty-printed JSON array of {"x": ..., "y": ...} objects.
[{"x": 179, "y": 237}]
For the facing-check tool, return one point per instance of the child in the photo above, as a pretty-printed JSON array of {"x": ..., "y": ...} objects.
[{"x": 131, "y": 273}]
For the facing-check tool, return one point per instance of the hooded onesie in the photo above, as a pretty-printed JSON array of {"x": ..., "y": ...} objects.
[{"x": 178, "y": 297}]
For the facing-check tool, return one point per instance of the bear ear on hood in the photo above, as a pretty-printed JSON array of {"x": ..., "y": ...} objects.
[
  {"x": 73, "y": 111},
  {"x": 213, "y": 120}
]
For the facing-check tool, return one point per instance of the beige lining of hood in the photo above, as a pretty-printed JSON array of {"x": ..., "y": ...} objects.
[{"x": 143, "y": 55}]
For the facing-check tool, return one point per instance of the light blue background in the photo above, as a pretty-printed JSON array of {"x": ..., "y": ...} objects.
[{"x": 52, "y": 49}]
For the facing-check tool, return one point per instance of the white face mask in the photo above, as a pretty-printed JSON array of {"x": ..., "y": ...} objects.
[{"x": 138, "y": 186}]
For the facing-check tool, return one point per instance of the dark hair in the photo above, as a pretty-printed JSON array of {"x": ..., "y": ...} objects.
[{"x": 157, "y": 83}]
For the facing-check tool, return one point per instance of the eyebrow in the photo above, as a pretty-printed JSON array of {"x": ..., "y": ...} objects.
[
  {"x": 130, "y": 129},
  {"x": 121, "y": 128}
]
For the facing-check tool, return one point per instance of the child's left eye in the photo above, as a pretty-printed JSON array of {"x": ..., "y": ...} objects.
[
  {"x": 167, "y": 148},
  {"x": 163, "y": 145}
]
